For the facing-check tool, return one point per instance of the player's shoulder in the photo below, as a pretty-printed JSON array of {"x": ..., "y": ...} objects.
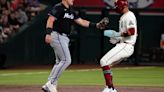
[
  {"x": 58, "y": 6},
  {"x": 130, "y": 15}
]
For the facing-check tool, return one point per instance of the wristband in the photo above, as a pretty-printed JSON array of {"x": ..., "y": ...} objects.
[
  {"x": 49, "y": 30},
  {"x": 92, "y": 25}
]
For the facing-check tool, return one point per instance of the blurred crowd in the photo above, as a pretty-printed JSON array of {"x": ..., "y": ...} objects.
[{"x": 13, "y": 14}]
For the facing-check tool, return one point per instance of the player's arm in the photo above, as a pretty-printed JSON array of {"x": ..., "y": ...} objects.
[
  {"x": 54, "y": 14},
  {"x": 129, "y": 32},
  {"x": 130, "y": 25},
  {"x": 50, "y": 22},
  {"x": 86, "y": 23},
  {"x": 100, "y": 25},
  {"x": 49, "y": 28},
  {"x": 113, "y": 33},
  {"x": 82, "y": 22}
]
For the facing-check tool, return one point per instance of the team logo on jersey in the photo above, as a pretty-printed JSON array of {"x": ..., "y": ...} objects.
[
  {"x": 69, "y": 16},
  {"x": 132, "y": 3}
]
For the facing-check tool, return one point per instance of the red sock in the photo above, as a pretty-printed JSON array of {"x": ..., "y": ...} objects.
[{"x": 108, "y": 76}]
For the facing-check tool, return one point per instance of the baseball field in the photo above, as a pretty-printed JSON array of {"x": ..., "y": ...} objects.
[{"x": 80, "y": 78}]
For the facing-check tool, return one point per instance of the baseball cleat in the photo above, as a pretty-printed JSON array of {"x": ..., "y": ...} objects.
[
  {"x": 106, "y": 89},
  {"x": 45, "y": 89},
  {"x": 48, "y": 87}
]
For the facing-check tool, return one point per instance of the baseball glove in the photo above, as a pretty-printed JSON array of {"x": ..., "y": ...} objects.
[{"x": 103, "y": 23}]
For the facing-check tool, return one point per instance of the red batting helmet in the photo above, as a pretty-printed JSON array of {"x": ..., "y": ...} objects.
[{"x": 120, "y": 4}]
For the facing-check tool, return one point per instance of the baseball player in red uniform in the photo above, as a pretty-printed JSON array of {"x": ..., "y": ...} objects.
[
  {"x": 58, "y": 27},
  {"x": 125, "y": 40}
]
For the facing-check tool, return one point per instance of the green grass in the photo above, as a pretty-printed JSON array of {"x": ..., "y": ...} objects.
[
  {"x": 126, "y": 76},
  {"x": 143, "y": 76},
  {"x": 23, "y": 77}
]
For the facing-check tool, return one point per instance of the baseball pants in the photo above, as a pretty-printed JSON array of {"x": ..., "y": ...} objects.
[
  {"x": 60, "y": 45},
  {"x": 117, "y": 54}
]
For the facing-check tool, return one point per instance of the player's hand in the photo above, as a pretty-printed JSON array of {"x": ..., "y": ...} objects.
[
  {"x": 48, "y": 38},
  {"x": 114, "y": 40},
  {"x": 103, "y": 23}
]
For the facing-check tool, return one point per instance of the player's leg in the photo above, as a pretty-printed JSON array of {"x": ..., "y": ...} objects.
[
  {"x": 44, "y": 87},
  {"x": 60, "y": 46},
  {"x": 119, "y": 52},
  {"x": 106, "y": 64},
  {"x": 114, "y": 56},
  {"x": 54, "y": 67}
]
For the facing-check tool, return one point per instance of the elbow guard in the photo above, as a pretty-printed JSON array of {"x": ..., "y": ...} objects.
[{"x": 131, "y": 31}]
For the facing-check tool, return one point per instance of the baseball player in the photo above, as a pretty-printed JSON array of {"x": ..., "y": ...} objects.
[
  {"x": 125, "y": 40},
  {"x": 58, "y": 28}
]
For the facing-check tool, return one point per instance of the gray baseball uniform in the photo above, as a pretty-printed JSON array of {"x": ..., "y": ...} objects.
[{"x": 62, "y": 25}]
